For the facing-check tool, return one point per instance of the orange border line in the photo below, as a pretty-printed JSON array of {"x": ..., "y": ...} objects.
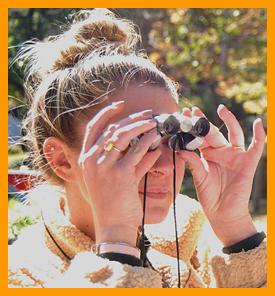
[{"x": 142, "y": 4}]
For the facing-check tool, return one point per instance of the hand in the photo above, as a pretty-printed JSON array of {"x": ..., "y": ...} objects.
[
  {"x": 223, "y": 175},
  {"x": 112, "y": 178}
]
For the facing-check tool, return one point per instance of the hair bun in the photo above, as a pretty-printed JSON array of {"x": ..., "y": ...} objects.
[
  {"x": 98, "y": 31},
  {"x": 94, "y": 32},
  {"x": 101, "y": 23}
]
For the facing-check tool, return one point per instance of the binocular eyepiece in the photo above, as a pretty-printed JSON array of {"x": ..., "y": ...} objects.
[{"x": 185, "y": 133}]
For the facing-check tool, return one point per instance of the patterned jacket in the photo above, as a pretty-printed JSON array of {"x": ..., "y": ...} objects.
[{"x": 54, "y": 253}]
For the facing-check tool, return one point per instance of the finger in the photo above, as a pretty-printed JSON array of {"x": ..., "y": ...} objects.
[
  {"x": 197, "y": 166},
  {"x": 147, "y": 163},
  {"x": 256, "y": 147},
  {"x": 97, "y": 122},
  {"x": 214, "y": 138},
  {"x": 186, "y": 111},
  {"x": 235, "y": 132},
  {"x": 135, "y": 154},
  {"x": 197, "y": 112},
  {"x": 98, "y": 147},
  {"x": 122, "y": 137},
  {"x": 221, "y": 155},
  {"x": 146, "y": 114}
]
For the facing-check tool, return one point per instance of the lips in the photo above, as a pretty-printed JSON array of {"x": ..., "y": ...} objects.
[
  {"x": 156, "y": 192},
  {"x": 157, "y": 189}
]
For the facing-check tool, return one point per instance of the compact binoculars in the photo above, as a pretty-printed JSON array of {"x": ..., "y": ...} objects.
[{"x": 183, "y": 132}]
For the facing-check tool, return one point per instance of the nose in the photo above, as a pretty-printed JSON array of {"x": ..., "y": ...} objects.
[{"x": 164, "y": 165}]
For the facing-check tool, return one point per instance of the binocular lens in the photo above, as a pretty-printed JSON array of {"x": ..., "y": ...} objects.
[
  {"x": 171, "y": 125},
  {"x": 201, "y": 127}
]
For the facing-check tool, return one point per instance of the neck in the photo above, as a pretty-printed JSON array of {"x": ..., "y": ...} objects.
[{"x": 79, "y": 212}]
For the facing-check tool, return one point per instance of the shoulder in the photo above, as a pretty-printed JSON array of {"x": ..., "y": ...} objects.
[{"x": 31, "y": 263}]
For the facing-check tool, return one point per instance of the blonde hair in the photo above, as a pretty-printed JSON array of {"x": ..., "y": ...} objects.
[{"x": 74, "y": 72}]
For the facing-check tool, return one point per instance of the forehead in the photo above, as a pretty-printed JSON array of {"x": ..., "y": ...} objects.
[{"x": 139, "y": 98}]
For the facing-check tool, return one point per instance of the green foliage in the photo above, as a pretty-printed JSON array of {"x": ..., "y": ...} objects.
[
  {"x": 16, "y": 159},
  {"x": 219, "y": 52},
  {"x": 217, "y": 55},
  {"x": 20, "y": 217}
]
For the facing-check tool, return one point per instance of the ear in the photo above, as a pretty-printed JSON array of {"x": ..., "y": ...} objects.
[{"x": 59, "y": 157}]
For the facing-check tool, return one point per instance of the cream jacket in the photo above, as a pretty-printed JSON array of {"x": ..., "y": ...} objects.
[{"x": 36, "y": 261}]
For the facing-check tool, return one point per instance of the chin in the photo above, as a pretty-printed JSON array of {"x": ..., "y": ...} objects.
[
  {"x": 156, "y": 214},
  {"x": 156, "y": 209}
]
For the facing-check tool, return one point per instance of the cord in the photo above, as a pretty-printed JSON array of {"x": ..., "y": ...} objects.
[
  {"x": 175, "y": 217},
  {"x": 143, "y": 252}
]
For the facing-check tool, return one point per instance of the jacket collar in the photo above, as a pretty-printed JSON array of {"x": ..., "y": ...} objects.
[{"x": 62, "y": 237}]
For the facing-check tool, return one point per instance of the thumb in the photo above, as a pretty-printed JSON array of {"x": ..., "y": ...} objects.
[
  {"x": 197, "y": 165},
  {"x": 147, "y": 163}
]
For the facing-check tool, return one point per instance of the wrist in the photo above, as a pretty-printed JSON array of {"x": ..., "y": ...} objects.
[
  {"x": 117, "y": 233},
  {"x": 117, "y": 247},
  {"x": 231, "y": 232},
  {"x": 247, "y": 244}
]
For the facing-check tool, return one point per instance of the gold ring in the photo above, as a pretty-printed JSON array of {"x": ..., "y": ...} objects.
[
  {"x": 111, "y": 145},
  {"x": 118, "y": 150}
]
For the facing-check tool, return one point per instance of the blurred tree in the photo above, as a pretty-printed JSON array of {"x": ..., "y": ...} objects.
[{"x": 216, "y": 55}]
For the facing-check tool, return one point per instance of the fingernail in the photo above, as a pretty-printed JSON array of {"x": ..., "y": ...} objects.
[
  {"x": 145, "y": 112},
  {"x": 141, "y": 113},
  {"x": 117, "y": 103},
  {"x": 258, "y": 120},
  {"x": 221, "y": 106}
]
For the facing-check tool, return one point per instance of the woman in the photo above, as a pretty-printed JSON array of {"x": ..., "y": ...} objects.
[{"x": 91, "y": 93}]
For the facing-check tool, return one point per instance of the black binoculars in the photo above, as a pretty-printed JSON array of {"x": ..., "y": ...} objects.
[{"x": 184, "y": 133}]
